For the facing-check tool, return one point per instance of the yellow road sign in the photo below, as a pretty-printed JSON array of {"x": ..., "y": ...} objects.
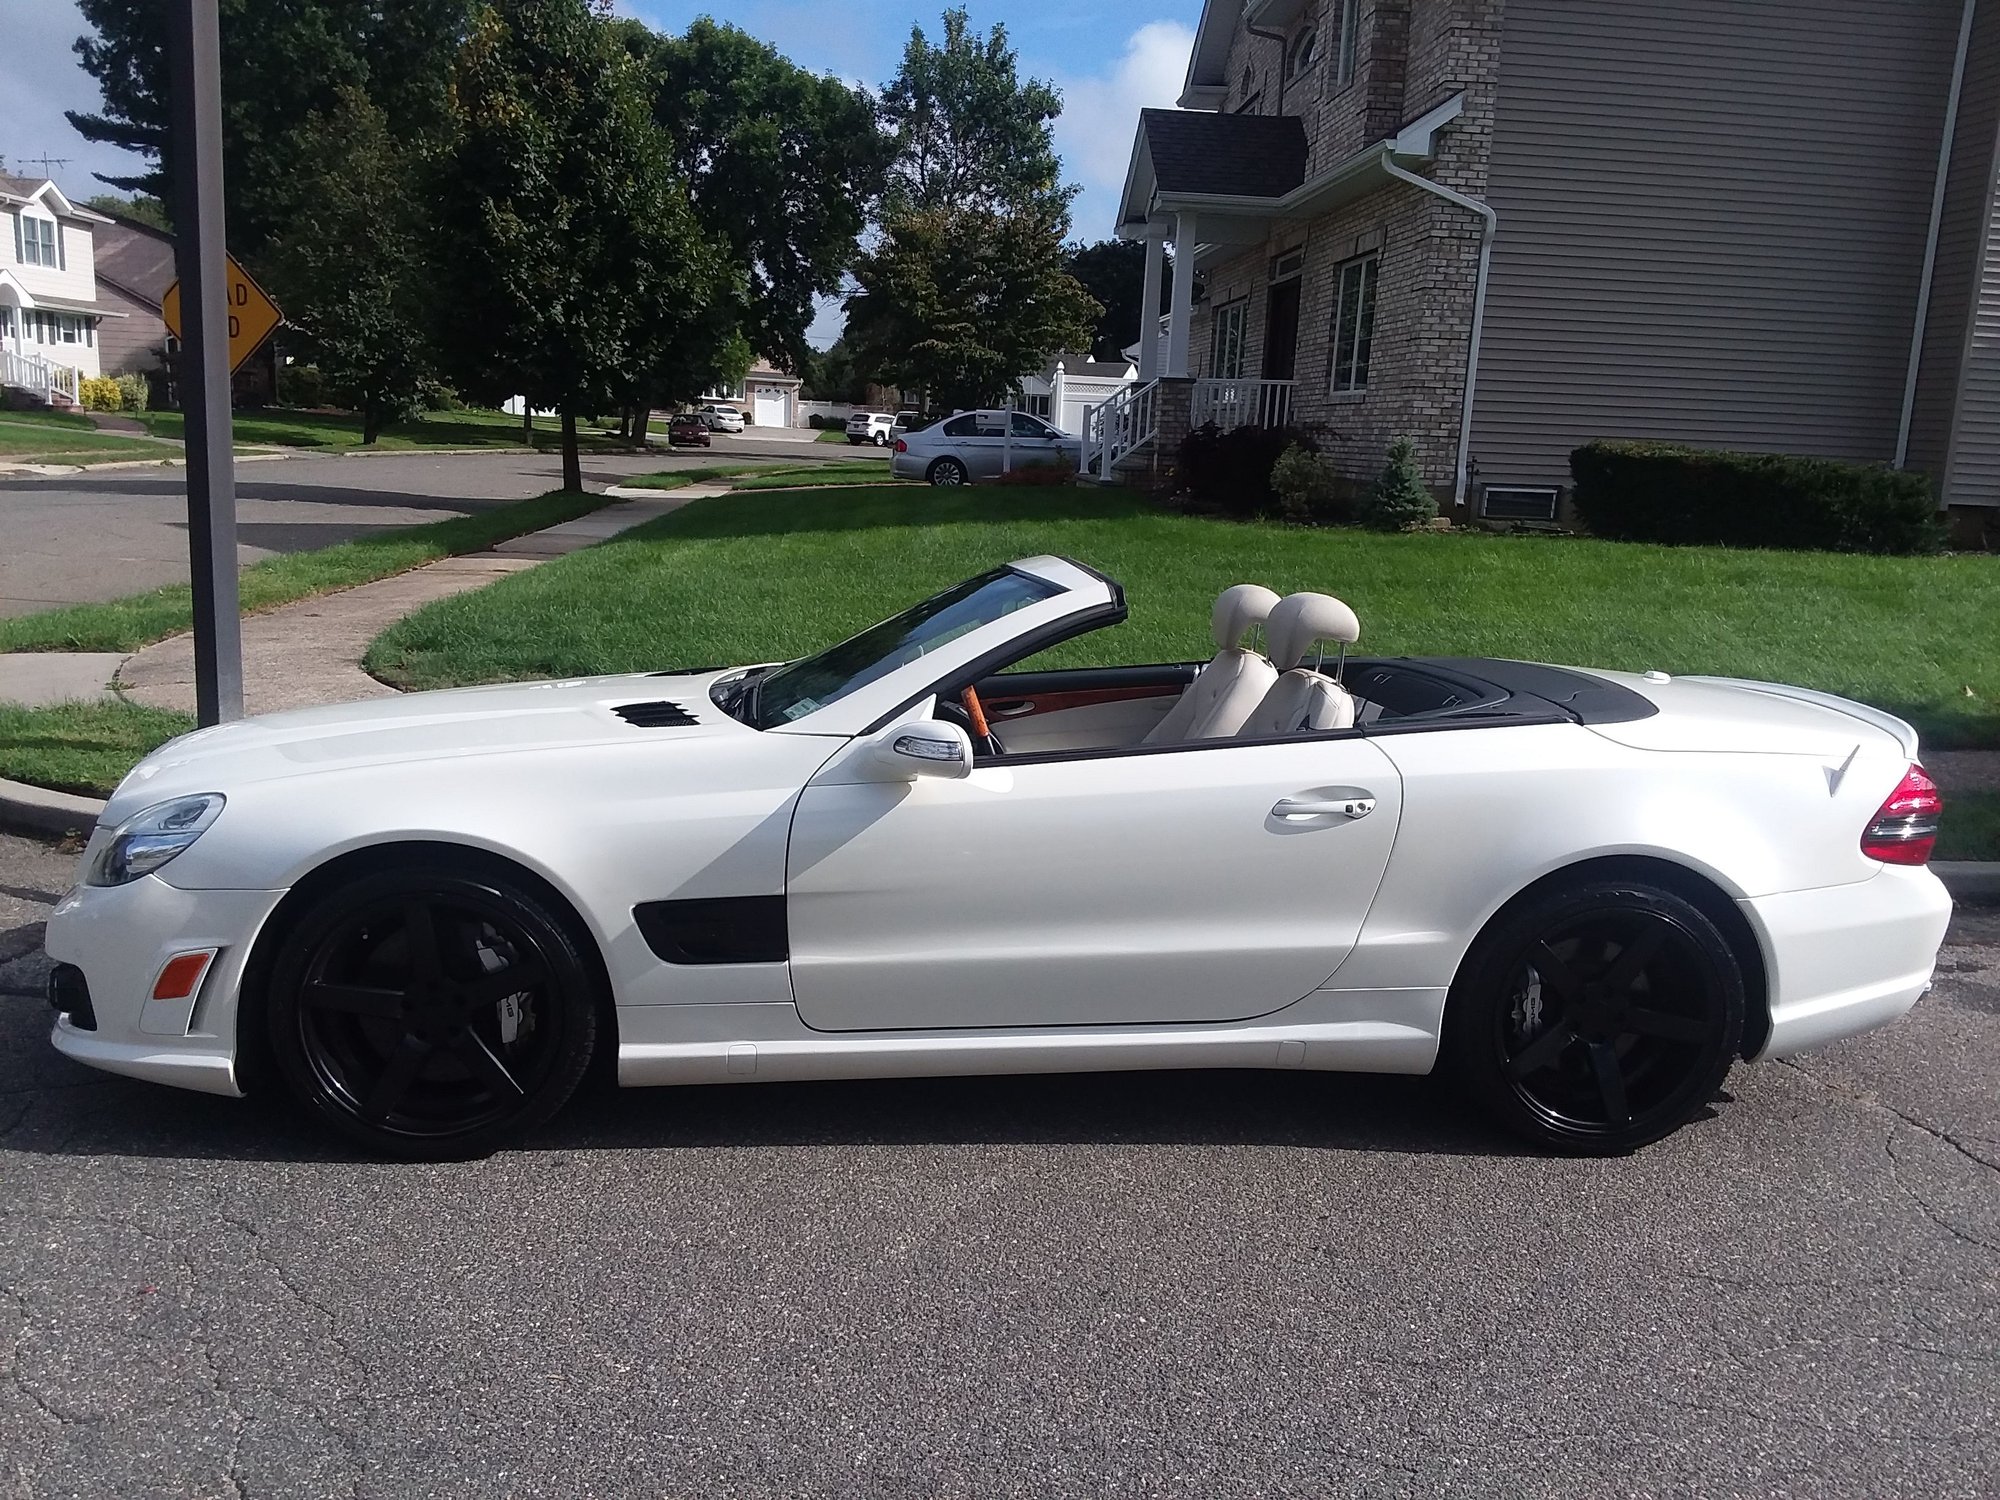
[{"x": 253, "y": 316}]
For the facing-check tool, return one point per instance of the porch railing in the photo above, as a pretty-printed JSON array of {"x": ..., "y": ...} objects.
[
  {"x": 39, "y": 377},
  {"x": 1113, "y": 428},
  {"x": 1241, "y": 403}
]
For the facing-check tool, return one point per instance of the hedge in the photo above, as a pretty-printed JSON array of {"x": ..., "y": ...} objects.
[
  {"x": 1658, "y": 492},
  {"x": 1230, "y": 472}
]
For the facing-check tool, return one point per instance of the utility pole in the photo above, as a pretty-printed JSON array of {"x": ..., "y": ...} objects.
[{"x": 194, "y": 63}]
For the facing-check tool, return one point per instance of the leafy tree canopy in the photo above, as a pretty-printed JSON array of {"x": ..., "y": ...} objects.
[
  {"x": 1114, "y": 272},
  {"x": 140, "y": 208},
  {"x": 283, "y": 65},
  {"x": 969, "y": 133}
]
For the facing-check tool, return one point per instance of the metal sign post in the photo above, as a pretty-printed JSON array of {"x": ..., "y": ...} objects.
[{"x": 194, "y": 61}]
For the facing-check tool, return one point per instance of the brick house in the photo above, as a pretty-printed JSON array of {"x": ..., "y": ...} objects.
[{"x": 1507, "y": 227}]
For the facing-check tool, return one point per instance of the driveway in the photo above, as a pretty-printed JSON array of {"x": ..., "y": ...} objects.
[
  {"x": 85, "y": 537},
  {"x": 1193, "y": 1285}
]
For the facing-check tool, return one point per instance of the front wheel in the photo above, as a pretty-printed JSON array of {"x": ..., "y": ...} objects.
[
  {"x": 881, "y": 441},
  {"x": 948, "y": 473},
  {"x": 1597, "y": 1017},
  {"x": 431, "y": 1012}
]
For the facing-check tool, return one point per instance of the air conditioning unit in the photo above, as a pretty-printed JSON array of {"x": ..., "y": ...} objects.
[{"x": 1518, "y": 502}]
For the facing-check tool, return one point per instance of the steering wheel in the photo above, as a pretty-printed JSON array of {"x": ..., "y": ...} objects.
[{"x": 975, "y": 711}]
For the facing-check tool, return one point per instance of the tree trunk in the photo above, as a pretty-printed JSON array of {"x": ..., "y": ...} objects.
[
  {"x": 527, "y": 423},
  {"x": 572, "y": 460},
  {"x": 642, "y": 414},
  {"x": 371, "y": 423}
]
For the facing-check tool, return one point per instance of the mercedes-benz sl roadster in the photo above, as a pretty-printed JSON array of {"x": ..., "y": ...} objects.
[{"x": 1586, "y": 893}]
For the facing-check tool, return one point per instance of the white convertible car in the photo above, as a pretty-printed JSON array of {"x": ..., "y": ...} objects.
[{"x": 1588, "y": 892}]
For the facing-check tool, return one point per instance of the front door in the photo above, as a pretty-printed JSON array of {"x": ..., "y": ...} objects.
[
  {"x": 1091, "y": 891},
  {"x": 1281, "y": 331}
]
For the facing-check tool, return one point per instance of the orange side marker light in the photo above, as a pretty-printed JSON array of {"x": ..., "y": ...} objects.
[{"x": 182, "y": 976}]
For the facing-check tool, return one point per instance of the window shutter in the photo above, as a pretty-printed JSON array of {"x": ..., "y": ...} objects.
[
  {"x": 19, "y": 253},
  {"x": 62, "y": 260}
]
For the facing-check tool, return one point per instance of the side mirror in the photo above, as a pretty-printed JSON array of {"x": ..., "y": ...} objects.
[{"x": 923, "y": 747}]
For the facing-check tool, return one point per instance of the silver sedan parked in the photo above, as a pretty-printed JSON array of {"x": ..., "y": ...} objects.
[{"x": 977, "y": 445}]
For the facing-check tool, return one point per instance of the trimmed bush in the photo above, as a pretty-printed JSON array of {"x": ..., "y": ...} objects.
[
  {"x": 99, "y": 393},
  {"x": 1400, "y": 500},
  {"x": 1309, "y": 490},
  {"x": 1659, "y": 492},
  {"x": 301, "y": 387},
  {"x": 1040, "y": 472},
  {"x": 135, "y": 392},
  {"x": 1229, "y": 473}
]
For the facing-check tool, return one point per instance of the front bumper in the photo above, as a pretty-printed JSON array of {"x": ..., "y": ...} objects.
[
  {"x": 120, "y": 937},
  {"x": 1848, "y": 958}
]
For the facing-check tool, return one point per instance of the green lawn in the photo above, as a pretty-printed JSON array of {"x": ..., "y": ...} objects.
[
  {"x": 68, "y": 438},
  {"x": 751, "y": 577},
  {"x": 1971, "y": 826},
  {"x": 770, "y": 476},
  {"x": 128, "y": 623},
  {"x": 75, "y": 420},
  {"x": 342, "y": 430},
  {"x": 82, "y": 747}
]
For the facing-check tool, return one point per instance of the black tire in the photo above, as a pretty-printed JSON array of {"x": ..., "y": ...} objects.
[
  {"x": 853, "y": 441},
  {"x": 881, "y": 440},
  {"x": 393, "y": 1014},
  {"x": 1596, "y": 1017},
  {"x": 947, "y": 473}
]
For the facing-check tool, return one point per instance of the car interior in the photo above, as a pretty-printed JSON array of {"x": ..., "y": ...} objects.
[{"x": 1280, "y": 669}]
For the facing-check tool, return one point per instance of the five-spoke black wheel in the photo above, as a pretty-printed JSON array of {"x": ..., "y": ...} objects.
[
  {"x": 431, "y": 1011},
  {"x": 1597, "y": 1017}
]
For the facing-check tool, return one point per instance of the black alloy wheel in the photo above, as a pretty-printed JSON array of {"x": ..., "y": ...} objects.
[
  {"x": 1597, "y": 1018},
  {"x": 948, "y": 473},
  {"x": 432, "y": 1013}
]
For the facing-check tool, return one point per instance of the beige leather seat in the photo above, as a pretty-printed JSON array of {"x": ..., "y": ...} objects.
[
  {"x": 1226, "y": 691},
  {"x": 1304, "y": 698}
]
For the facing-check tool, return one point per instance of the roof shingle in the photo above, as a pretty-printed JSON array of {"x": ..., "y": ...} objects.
[{"x": 1252, "y": 156}]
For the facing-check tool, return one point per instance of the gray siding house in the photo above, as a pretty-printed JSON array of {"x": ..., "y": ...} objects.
[{"x": 1507, "y": 227}]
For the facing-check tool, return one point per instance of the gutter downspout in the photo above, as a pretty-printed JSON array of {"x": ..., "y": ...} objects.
[
  {"x": 1485, "y": 211},
  {"x": 1931, "y": 242},
  {"x": 1279, "y": 38}
]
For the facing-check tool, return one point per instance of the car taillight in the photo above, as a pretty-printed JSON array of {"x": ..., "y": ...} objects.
[
  {"x": 1904, "y": 828},
  {"x": 901, "y": 446}
]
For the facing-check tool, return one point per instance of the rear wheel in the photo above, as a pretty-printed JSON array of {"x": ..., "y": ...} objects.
[
  {"x": 431, "y": 1013},
  {"x": 947, "y": 473},
  {"x": 1597, "y": 1017}
]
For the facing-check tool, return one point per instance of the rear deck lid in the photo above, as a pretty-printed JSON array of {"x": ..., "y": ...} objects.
[{"x": 1722, "y": 714}]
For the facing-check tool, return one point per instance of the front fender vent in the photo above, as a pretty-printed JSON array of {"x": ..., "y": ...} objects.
[{"x": 662, "y": 715}]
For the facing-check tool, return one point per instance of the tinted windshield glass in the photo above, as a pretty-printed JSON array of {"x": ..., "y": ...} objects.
[{"x": 812, "y": 682}]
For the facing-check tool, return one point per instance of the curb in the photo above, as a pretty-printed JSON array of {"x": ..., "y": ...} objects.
[
  {"x": 1969, "y": 879},
  {"x": 35, "y": 809}
]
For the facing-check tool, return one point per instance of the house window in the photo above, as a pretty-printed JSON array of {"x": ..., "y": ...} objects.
[
  {"x": 1038, "y": 406},
  {"x": 66, "y": 328},
  {"x": 1304, "y": 53},
  {"x": 1350, "y": 28},
  {"x": 1225, "y": 360},
  {"x": 38, "y": 241},
  {"x": 6, "y": 322},
  {"x": 1354, "y": 323}
]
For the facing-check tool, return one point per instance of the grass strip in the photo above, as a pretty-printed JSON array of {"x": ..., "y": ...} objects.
[
  {"x": 139, "y": 619},
  {"x": 1971, "y": 826},
  {"x": 82, "y": 747}
]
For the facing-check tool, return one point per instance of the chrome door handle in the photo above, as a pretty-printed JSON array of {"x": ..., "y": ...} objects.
[{"x": 1299, "y": 807}]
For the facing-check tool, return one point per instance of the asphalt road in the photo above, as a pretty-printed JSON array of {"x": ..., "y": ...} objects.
[
  {"x": 1175, "y": 1285},
  {"x": 92, "y": 536}
]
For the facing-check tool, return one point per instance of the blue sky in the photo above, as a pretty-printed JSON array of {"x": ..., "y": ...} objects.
[{"x": 1109, "y": 60}]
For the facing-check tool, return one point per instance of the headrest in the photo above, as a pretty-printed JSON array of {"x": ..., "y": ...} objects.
[
  {"x": 1238, "y": 610},
  {"x": 1300, "y": 620}
]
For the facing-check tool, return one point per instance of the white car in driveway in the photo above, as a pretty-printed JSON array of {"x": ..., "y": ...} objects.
[
  {"x": 1589, "y": 892},
  {"x": 877, "y": 427},
  {"x": 976, "y": 445},
  {"x": 722, "y": 417}
]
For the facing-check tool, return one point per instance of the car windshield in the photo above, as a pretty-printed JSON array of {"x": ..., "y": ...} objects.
[{"x": 799, "y": 688}]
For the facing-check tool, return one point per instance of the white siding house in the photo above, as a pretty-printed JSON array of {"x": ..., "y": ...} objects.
[{"x": 50, "y": 313}]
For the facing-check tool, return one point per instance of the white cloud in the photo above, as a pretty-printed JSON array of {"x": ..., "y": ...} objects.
[{"x": 1101, "y": 115}]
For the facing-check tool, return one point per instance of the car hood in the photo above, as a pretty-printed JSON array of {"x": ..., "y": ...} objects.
[{"x": 501, "y": 719}]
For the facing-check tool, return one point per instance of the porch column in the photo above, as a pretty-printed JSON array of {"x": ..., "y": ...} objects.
[
  {"x": 1149, "y": 304},
  {"x": 1180, "y": 326}
]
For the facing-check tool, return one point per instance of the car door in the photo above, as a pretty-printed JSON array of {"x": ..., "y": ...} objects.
[
  {"x": 1211, "y": 883},
  {"x": 978, "y": 438},
  {"x": 1036, "y": 442}
]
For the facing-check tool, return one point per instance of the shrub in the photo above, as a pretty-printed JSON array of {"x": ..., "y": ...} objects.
[
  {"x": 1658, "y": 492},
  {"x": 1230, "y": 472},
  {"x": 1309, "y": 490},
  {"x": 1400, "y": 500},
  {"x": 135, "y": 392},
  {"x": 816, "y": 421},
  {"x": 99, "y": 393},
  {"x": 1041, "y": 472},
  {"x": 301, "y": 386}
]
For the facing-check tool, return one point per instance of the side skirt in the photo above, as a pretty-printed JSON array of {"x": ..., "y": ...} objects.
[{"x": 671, "y": 1044}]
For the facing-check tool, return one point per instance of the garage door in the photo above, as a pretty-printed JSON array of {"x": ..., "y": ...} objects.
[{"x": 769, "y": 410}]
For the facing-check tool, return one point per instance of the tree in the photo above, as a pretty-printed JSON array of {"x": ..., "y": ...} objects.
[
  {"x": 782, "y": 166},
  {"x": 575, "y": 259},
  {"x": 1400, "y": 499},
  {"x": 139, "y": 208},
  {"x": 834, "y": 374},
  {"x": 968, "y": 132},
  {"x": 1114, "y": 272},
  {"x": 965, "y": 289},
  {"x": 282, "y": 64},
  {"x": 960, "y": 302},
  {"x": 351, "y": 270}
]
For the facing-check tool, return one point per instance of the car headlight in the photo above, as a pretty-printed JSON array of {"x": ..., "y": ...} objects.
[{"x": 147, "y": 840}]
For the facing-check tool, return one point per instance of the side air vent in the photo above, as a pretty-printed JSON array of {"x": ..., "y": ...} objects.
[
  {"x": 654, "y": 715},
  {"x": 1508, "y": 502}
]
